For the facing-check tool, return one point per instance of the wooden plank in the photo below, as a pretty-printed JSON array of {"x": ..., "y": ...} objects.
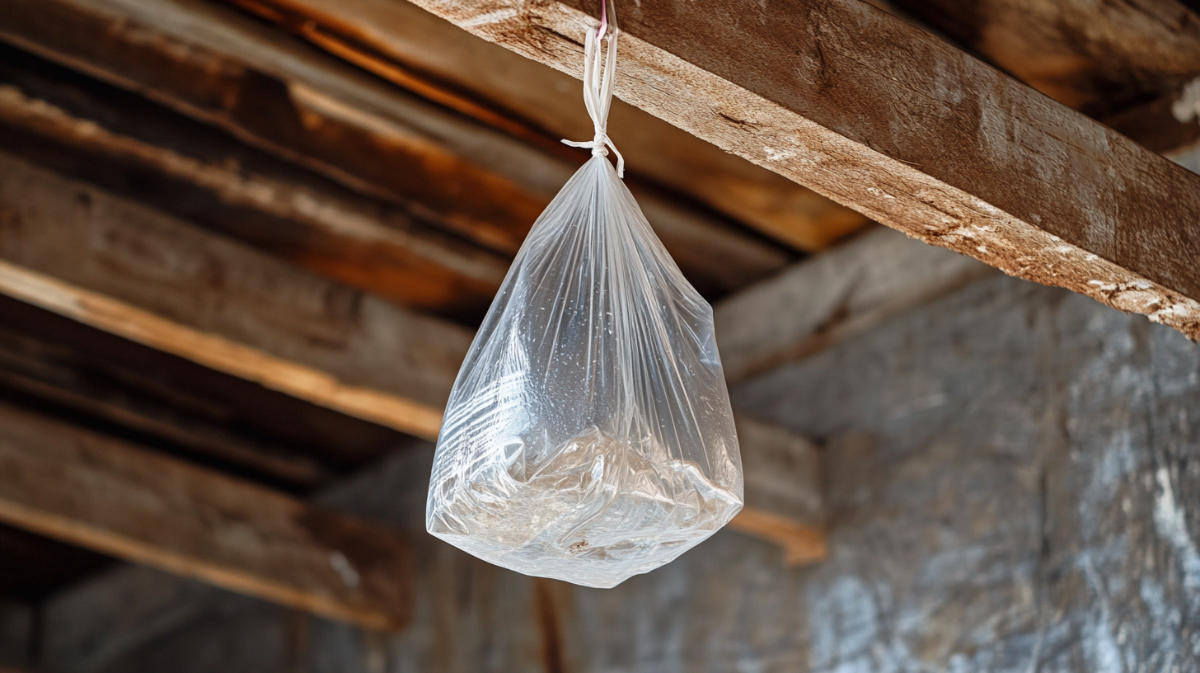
[
  {"x": 1099, "y": 58},
  {"x": 90, "y": 256},
  {"x": 1126, "y": 64},
  {"x": 821, "y": 301},
  {"x": 882, "y": 117},
  {"x": 129, "y": 145},
  {"x": 35, "y": 371},
  {"x": 123, "y": 268},
  {"x": 169, "y": 403},
  {"x": 105, "y": 495},
  {"x": 1169, "y": 124},
  {"x": 784, "y": 501},
  {"x": 226, "y": 69},
  {"x": 437, "y": 60}
]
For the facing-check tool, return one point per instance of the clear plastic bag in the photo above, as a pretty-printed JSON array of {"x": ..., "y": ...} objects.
[{"x": 589, "y": 436}]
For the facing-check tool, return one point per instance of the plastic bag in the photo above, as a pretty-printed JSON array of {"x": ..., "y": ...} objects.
[{"x": 588, "y": 437}]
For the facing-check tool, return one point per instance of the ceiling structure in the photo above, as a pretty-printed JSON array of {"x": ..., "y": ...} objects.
[{"x": 244, "y": 243}]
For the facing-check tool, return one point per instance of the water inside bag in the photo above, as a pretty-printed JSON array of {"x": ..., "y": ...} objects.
[{"x": 589, "y": 436}]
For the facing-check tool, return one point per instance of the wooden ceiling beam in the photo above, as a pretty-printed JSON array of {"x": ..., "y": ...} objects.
[
  {"x": 85, "y": 489},
  {"x": 819, "y": 302},
  {"x": 436, "y": 60},
  {"x": 1169, "y": 124},
  {"x": 887, "y": 119},
  {"x": 124, "y": 143},
  {"x": 140, "y": 274},
  {"x": 1097, "y": 57},
  {"x": 218, "y": 66},
  {"x": 80, "y": 252}
]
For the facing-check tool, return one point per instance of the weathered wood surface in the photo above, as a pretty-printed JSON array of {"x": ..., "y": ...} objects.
[
  {"x": 132, "y": 271},
  {"x": 34, "y": 369},
  {"x": 132, "y": 146},
  {"x": 1012, "y": 488},
  {"x": 885, "y": 118},
  {"x": 784, "y": 501},
  {"x": 226, "y": 69},
  {"x": 172, "y": 404},
  {"x": 1099, "y": 58},
  {"x": 1169, "y": 124},
  {"x": 819, "y": 302},
  {"x": 437, "y": 60},
  {"x": 85, "y": 489}
]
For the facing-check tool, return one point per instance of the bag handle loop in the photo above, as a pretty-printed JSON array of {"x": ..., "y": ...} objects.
[{"x": 597, "y": 88}]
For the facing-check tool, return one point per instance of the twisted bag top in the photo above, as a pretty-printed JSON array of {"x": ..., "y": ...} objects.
[{"x": 589, "y": 437}]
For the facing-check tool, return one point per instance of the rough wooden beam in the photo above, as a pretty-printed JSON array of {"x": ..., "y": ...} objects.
[
  {"x": 120, "y": 267},
  {"x": 1099, "y": 58},
  {"x": 887, "y": 119},
  {"x": 85, "y": 489},
  {"x": 127, "y": 144},
  {"x": 784, "y": 501},
  {"x": 221, "y": 67},
  {"x": 35, "y": 370},
  {"x": 1169, "y": 124},
  {"x": 439, "y": 61},
  {"x": 132, "y": 271},
  {"x": 169, "y": 403},
  {"x": 821, "y": 301}
]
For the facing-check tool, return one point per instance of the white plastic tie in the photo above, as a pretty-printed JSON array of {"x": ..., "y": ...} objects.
[{"x": 597, "y": 94}]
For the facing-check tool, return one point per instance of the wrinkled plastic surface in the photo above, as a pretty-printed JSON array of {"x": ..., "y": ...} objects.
[{"x": 588, "y": 437}]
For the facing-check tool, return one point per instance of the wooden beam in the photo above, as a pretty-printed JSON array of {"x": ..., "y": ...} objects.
[
  {"x": 821, "y": 301},
  {"x": 129, "y": 145},
  {"x": 132, "y": 271},
  {"x": 784, "y": 499},
  {"x": 95, "y": 492},
  {"x": 898, "y": 125},
  {"x": 1099, "y": 58},
  {"x": 437, "y": 60},
  {"x": 1169, "y": 124},
  {"x": 228, "y": 70},
  {"x": 36, "y": 371},
  {"x": 169, "y": 403}
]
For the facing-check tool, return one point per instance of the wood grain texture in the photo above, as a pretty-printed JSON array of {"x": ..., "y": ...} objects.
[
  {"x": 169, "y": 403},
  {"x": 434, "y": 59},
  {"x": 144, "y": 151},
  {"x": 821, "y": 301},
  {"x": 228, "y": 70},
  {"x": 123, "y": 268},
  {"x": 886, "y": 119},
  {"x": 36, "y": 371},
  {"x": 1099, "y": 58},
  {"x": 784, "y": 500},
  {"x": 88, "y": 490}
]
